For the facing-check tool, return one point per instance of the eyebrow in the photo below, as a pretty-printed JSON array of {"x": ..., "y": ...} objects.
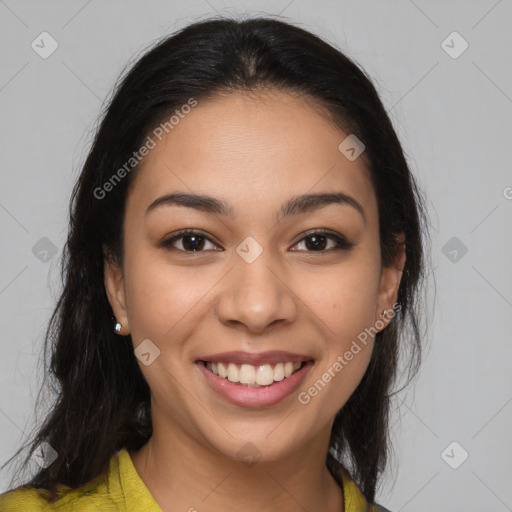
[{"x": 295, "y": 206}]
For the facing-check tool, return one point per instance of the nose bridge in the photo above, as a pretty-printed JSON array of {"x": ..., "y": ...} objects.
[{"x": 254, "y": 293}]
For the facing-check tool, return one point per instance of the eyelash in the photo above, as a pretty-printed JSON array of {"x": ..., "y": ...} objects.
[{"x": 341, "y": 242}]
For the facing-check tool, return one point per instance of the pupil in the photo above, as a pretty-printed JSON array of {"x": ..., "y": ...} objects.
[
  {"x": 194, "y": 246},
  {"x": 196, "y": 242},
  {"x": 316, "y": 243}
]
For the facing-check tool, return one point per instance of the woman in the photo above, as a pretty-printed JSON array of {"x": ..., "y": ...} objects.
[{"x": 241, "y": 273}]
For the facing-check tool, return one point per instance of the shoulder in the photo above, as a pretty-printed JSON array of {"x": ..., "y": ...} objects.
[
  {"x": 94, "y": 496},
  {"x": 83, "y": 499},
  {"x": 23, "y": 499},
  {"x": 355, "y": 500}
]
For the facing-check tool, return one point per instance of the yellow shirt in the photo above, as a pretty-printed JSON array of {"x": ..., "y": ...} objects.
[{"x": 124, "y": 491}]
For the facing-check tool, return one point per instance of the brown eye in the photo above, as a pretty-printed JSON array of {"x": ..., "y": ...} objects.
[
  {"x": 317, "y": 241},
  {"x": 191, "y": 241}
]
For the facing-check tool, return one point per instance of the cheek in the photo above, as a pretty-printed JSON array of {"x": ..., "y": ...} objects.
[
  {"x": 342, "y": 301},
  {"x": 160, "y": 299}
]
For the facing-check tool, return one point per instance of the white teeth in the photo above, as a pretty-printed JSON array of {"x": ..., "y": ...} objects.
[
  {"x": 253, "y": 376},
  {"x": 222, "y": 370},
  {"x": 247, "y": 374},
  {"x": 279, "y": 372},
  {"x": 233, "y": 373},
  {"x": 264, "y": 375}
]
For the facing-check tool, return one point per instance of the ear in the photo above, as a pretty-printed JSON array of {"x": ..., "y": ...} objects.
[
  {"x": 114, "y": 286},
  {"x": 390, "y": 282}
]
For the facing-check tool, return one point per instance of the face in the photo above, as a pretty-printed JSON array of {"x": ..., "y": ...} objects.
[{"x": 258, "y": 281}]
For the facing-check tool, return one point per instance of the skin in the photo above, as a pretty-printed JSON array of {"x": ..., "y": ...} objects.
[{"x": 254, "y": 152}]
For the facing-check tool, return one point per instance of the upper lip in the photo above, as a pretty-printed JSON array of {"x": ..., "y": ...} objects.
[{"x": 256, "y": 359}]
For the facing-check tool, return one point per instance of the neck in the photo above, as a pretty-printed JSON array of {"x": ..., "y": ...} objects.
[{"x": 183, "y": 474}]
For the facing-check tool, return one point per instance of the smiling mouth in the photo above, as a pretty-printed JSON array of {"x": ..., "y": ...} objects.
[{"x": 250, "y": 376}]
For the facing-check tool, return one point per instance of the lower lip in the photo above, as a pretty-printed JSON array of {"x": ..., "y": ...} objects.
[{"x": 255, "y": 397}]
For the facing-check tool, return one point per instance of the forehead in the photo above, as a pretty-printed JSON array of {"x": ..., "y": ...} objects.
[{"x": 254, "y": 151}]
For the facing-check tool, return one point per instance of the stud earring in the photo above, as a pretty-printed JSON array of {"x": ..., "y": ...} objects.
[
  {"x": 384, "y": 313},
  {"x": 117, "y": 327}
]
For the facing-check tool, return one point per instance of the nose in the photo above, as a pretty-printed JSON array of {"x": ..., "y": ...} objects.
[{"x": 256, "y": 295}]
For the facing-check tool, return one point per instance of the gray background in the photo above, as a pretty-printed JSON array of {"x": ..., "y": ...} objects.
[{"x": 453, "y": 116}]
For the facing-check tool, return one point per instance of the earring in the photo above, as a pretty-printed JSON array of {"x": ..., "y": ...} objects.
[
  {"x": 117, "y": 327},
  {"x": 384, "y": 313}
]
